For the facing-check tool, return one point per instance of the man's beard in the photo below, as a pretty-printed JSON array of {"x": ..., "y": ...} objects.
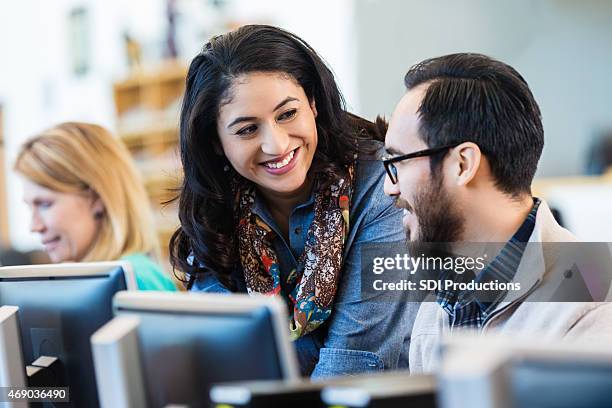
[
  {"x": 439, "y": 220},
  {"x": 439, "y": 223}
]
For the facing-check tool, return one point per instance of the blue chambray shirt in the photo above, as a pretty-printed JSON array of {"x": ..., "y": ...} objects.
[{"x": 363, "y": 333}]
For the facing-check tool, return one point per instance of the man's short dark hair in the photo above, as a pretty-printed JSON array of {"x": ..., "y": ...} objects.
[{"x": 472, "y": 97}]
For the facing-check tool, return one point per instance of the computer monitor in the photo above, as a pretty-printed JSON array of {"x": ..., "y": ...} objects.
[
  {"x": 369, "y": 390},
  {"x": 390, "y": 389},
  {"x": 168, "y": 348},
  {"x": 12, "y": 369},
  {"x": 500, "y": 372},
  {"x": 51, "y": 311}
]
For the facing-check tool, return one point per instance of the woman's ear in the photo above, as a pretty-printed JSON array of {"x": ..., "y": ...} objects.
[
  {"x": 97, "y": 206},
  {"x": 313, "y": 107}
]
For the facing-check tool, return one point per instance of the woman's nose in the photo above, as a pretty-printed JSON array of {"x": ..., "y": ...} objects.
[
  {"x": 36, "y": 224},
  {"x": 275, "y": 141}
]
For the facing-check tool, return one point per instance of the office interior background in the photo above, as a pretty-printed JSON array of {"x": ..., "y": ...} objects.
[{"x": 122, "y": 64}]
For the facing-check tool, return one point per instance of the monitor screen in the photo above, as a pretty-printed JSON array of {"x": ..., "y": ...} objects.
[
  {"x": 558, "y": 384},
  {"x": 183, "y": 354}
]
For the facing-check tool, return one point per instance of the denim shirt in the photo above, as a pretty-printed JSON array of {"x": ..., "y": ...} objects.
[{"x": 362, "y": 334}]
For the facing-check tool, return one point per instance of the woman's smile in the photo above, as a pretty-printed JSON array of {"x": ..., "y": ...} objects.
[{"x": 283, "y": 164}]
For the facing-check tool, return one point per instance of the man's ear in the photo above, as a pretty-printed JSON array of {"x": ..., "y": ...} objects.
[
  {"x": 466, "y": 159},
  {"x": 313, "y": 107}
]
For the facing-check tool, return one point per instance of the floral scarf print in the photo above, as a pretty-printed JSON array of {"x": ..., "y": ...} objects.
[{"x": 314, "y": 283}]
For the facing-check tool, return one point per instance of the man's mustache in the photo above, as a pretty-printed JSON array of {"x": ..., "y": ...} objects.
[{"x": 401, "y": 203}]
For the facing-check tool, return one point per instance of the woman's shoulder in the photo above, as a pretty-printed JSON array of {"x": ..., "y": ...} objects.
[
  {"x": 369, "y": 172},
  {"x": 374, "y": 216},
  {"x": 369, "y": 197},
  {"x": 140, "y": 260},
  {"x": 149, "y": 275}
]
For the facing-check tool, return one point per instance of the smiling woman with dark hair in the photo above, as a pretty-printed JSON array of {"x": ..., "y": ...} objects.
[{"x": 281, "y": 190}]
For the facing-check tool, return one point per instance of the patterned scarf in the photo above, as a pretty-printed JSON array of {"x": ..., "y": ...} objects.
[{"x": 312, "y": 286}]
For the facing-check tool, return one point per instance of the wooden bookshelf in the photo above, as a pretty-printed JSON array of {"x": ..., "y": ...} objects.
[{"x": 147, "y": 105}]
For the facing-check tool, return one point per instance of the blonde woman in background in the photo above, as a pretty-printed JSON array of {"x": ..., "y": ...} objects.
[{"x": 87, "y": 201}]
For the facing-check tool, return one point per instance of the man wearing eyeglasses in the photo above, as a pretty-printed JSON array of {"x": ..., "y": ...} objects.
[{"x": 463, "y": 146}]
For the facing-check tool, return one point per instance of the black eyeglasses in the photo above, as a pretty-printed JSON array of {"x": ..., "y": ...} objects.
[{"x": 392, "y": 170}]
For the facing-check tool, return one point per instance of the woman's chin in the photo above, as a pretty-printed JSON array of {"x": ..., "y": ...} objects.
[
  {"x": 58, "y": 257},
  {"x": 55, "y": 259},
  {"x": 288, "y": 186},
  {"x": 284, "y": 191}
]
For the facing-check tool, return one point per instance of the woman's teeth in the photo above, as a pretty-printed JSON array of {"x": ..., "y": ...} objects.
[{"x": 283, "y": 163}]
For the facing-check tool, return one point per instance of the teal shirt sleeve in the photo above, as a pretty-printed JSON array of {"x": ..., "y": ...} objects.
[{"x": 149, "y": 276}]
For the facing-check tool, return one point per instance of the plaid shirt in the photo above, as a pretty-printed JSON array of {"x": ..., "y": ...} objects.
[{"x": 464, "y": 308}]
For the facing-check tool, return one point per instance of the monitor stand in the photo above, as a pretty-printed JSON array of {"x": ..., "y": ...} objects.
[{"x": 46, "y": 371}]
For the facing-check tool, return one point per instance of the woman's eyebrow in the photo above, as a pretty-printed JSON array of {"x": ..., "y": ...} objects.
[
  {"x": 285, "y": 101},
  {"x": 241, "y": 119}
]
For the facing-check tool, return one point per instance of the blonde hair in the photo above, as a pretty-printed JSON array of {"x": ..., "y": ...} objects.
[{"x": 77, "y": 157}]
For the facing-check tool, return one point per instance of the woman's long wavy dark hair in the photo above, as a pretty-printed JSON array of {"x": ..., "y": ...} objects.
[{"x": 207, "y": 230}]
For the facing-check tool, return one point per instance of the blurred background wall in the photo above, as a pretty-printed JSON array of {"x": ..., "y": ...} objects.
[
  {"x": 563, "y": 48},
  {"x": 64, "y": 60}
]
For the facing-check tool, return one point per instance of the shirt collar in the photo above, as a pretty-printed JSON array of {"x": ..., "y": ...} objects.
[{"x": 502, "y": 268}]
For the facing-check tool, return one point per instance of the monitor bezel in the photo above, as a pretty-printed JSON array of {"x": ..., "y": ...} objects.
[
  {"x": 205, "y": 303},
  {"x": 13, "y": 372},
  {"x": 70, "y": 270}
]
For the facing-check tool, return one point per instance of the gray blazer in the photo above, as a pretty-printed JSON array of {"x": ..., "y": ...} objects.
[{"x": 525, "y": 313}]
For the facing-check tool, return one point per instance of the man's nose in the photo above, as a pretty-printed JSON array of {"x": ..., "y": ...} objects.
[{"x": 390, "y": 188}]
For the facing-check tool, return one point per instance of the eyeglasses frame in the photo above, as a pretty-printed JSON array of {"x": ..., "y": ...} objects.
[{"x": 392, "y": 170}]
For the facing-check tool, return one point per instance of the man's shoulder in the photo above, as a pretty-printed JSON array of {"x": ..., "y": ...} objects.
[
  {"x": 594, "y": 323},
  {"x": 558, "y": 319},
  {"x": 431, "y": 319},
  {"x": 547, "y": 229}
]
